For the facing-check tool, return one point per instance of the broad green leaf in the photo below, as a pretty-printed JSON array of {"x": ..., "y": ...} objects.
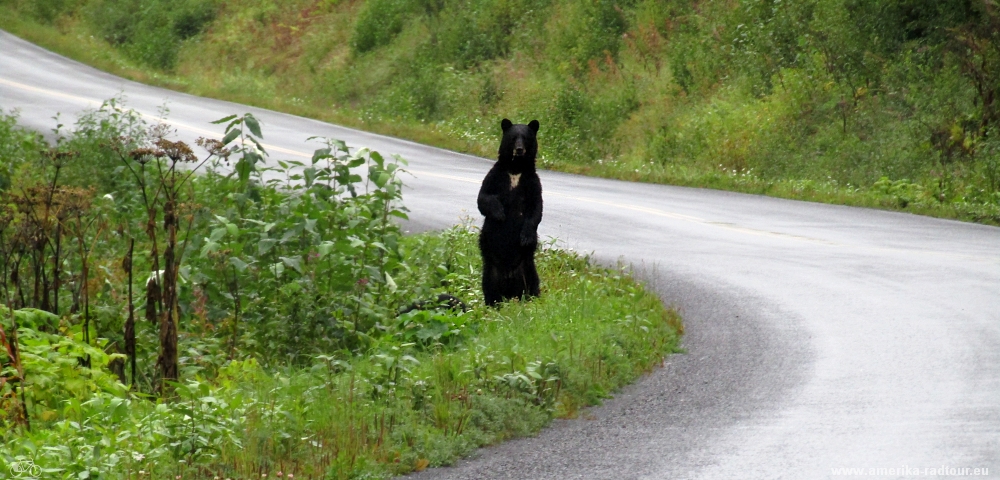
[
  {"x": 209, "y": 247},
  {"x": 291, "y": 233},
  {"x": 265, "y": 245},
  {"x": 310, "y": 174},
  {"x": 410, "y": 359},
  {"x": 217, "y": 234},
  {"x": 224, "y": 119},
  {"x": 238, "y": 263},
  {"x": 230, "y": 136},
  {"x": 320, "y": 154},
  {"x": 243, "y": 169},
  {"x": 277, "y": 269},
  {"x": 294, "y": 262},
  {"x": 381, "y": 179},
  {"x": 253, "y": 157},
  {"x": 251, "y": 122},
  {"x": 30, "y": 318},
  {"x": 325, "y": 248}
]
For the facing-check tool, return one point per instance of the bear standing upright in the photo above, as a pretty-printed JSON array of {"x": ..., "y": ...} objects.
[{"x": 511, "y": 201}]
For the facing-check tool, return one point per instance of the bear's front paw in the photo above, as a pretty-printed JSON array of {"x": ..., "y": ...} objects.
[
  {"x": 527, "y": 238},
  {"x": 498, "y": 214}
]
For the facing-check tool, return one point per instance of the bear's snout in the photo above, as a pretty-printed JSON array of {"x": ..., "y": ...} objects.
[{"x": 519, "y": 147}]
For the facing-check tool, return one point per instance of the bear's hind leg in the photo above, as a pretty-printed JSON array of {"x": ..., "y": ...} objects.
[
  {"x": 531, "y": 281},
  {"x": 505, "y": 286},
  {"x": 492, "y": 293}
]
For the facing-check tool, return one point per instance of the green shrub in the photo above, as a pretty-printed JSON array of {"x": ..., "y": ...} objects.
[
  {"x": 151, "y": 31},
  {"x": 48, "y": 11},
  {"x": 18, "y": 148},
  {"x": 291, "y": 344},
  {"x": 469, "y": 32},
  {"x": 585, "y": 31},
  {"x": 379, "y": 22}
]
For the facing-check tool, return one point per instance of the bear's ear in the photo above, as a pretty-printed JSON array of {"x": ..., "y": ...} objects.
[
  {"x": 505, "y": 124},
  {"x": 533, "y": 125}
]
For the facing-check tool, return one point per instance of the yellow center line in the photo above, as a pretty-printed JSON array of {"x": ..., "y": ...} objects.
[
  {"x": 697, "y": 220},
  {"x": 721, "y": 225},
  {"x": 441, "y": 175},
  {"x": 648, "y": 210}
]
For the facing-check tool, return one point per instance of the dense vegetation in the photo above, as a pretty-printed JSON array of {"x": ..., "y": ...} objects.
[
  {"x": 172, "y": 314},
  {"x": 890, "y": 103}
]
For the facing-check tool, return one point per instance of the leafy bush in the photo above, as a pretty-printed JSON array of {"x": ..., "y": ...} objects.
[
  {"x": 151, "y": 31},
  {"x": 285, "y": 285},
  {"x": 43, "y": 369},
  {"x": 18, "y": 148},
  {"x": 587, "y": 31},
  {"x": 470, "y": 32},
  {"x": 379, "y": 22}
]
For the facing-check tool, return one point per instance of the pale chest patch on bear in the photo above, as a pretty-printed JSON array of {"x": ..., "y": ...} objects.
[{"x": 514, "y": 179}]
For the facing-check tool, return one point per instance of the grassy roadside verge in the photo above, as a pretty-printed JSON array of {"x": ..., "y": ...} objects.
[
  {"x": 940, "y": 196},
  {"x": 292, "y": 357},
  {"x": 401, "y": 406},
  {"x": 73, "y": 40}
]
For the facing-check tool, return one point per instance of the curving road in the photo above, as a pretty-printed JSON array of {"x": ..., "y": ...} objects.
[{"x": 818, "y": 337}]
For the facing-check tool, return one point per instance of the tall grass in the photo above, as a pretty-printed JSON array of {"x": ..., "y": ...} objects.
[
  {"x": 292, "y": 349},
  {"x": 836, "y": 93}
]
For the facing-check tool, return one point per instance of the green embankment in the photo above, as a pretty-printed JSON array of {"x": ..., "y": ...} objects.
[
  {"x": 271, "y": 342},
  {"x": 887, "y": 103}
]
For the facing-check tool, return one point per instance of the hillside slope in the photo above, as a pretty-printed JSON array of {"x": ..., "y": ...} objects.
[{"x": 892, "y": 103}]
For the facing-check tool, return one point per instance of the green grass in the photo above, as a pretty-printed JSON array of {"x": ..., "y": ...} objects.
[
  {"x": 802, "y": 101},
  {"x": 293, "y": 356},
  {"x": 592, "y": 331}
]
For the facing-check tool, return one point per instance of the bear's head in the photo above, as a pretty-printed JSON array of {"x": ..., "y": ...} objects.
[{"x": 519, "y": 144}]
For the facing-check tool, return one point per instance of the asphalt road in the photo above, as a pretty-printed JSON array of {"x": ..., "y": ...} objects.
[{"x": 818, "y": 337}]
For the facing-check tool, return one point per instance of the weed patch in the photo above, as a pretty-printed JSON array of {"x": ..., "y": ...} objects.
[{"x": 172, "y": 310}]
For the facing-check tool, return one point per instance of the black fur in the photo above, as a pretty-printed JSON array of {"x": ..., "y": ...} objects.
[{"x": 509, "y": 236}]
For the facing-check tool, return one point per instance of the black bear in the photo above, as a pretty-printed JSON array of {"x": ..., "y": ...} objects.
[{"x": 511, "y": 201}]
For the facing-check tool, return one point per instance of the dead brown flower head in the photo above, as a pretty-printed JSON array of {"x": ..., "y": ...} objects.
[
  {"x": 214, "y": 147},
  {"x": 177, "y": 151},
  {"x": 144, "y": 154}
]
